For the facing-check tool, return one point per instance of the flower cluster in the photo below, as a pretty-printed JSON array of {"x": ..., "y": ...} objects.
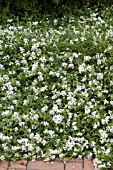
[{"x": 56, "y": 95}]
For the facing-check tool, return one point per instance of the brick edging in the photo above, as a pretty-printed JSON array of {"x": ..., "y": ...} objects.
[{"x": 74, "y": 164}]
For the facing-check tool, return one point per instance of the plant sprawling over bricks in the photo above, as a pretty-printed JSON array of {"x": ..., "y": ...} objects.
[{"x": 56, "y": 87}]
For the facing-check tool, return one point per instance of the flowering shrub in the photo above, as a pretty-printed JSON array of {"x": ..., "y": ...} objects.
[{"x": 56, "y": 79}]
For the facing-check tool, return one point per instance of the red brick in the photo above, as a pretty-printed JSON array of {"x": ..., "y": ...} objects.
[
  {"x": 88, "y": 164},
  {"x": 74, "y": 164},
  {"x": 41, "y": 165},
  {"x": 76, "y": 160},
  {"x": 4, "y": 165},
  {"x": 18, "y": 165}
]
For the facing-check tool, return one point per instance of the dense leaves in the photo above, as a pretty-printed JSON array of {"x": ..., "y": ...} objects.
[
  {"x": 68, "y": 5},
  {"x": 56, "y": 95}
]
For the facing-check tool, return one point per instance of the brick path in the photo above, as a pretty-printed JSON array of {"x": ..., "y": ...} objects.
[{"x": 75, "y": 164}]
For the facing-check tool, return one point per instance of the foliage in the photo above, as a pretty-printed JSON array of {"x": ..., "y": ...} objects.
[
  {"x": 16, "y": 5},
  {"x": 56, "y": 78}
]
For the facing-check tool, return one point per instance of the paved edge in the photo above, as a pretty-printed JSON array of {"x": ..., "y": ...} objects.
[{"x": 74, "y": 164}]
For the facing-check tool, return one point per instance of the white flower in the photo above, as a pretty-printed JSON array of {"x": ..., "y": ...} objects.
[
  {"x": 82, "y": 38},
  {"x": 86, "y": 58},
  {"x": 25, "y": 102},
  {"x": 89, "y": 68},
  {"x": 16, "y": 115},
  {"x": 42, "y": 89},
  {"x": 9, "y": 20},
  {"x": 35, "y": 116},
  {"x": 111, "y": 67},
  {"x": 57, "y": 74},
  {"x": 2, "y": 157},
  {"x": 61, "y": 155},
  {"x": 99, "y": 76},
  {"x": 89, "y": 156},
  {"x": 1, "y": 67},
  {"x": 71, "y": 66},
  {"x": 43, "y": 59},
  {"x": 64, "y": 64},
  {"x": 71, "y": 42},
  {"x": 95, "y": 126},
  {"x": 59, "y": 101},
  {"x": 107, "y": 151},
  {"x": 63, "y": 93},
  {"x": 21, "y": 49},
  {"x": 51, "y": 73},
  {"x": 38, "y": 149},
  {"x": 52, "y": 112},
  {"x": 111, "y": 129},
  {"x": 106, "y": 101},
  {"x": 55, "y": 21},
  {"x": 103, "y": 134},
  {"x": 24, "y": 61},
  {"x": 30, "y": 147},
  {"x": 37, "y": 137},
  {"x": 99, "y": 62},
  {"x": 74, "y": 126},
  {"x": 75, "y": 55},
  {"x": 111, "y": 102},
  {"x": 76, "y": 39},
  {"x": 25, "y": 40},
  {"x": 34, "y": 46},
  {"x": 16, "y": 129},
  {"x": 45, "y": 123},
  {"x": 44, "y": 108},
  {"x": 82, "y": 67},
  {"x": 21, "y": 123},
  {"x": 55, "y": 108},
  {"x": 80, "y": 156},
  {"x": 58, "y": 118},
  {"x": 5, "y": 113},
  {"x": 40, "y": 77},
  {"x": 35, "y": 23},
  {"x": 34, "y": 66}
]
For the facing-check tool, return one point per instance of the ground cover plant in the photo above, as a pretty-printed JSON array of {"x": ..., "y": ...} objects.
[
  {"x": 16, "y": 5},
  {"x": 56, "y": 87}
]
